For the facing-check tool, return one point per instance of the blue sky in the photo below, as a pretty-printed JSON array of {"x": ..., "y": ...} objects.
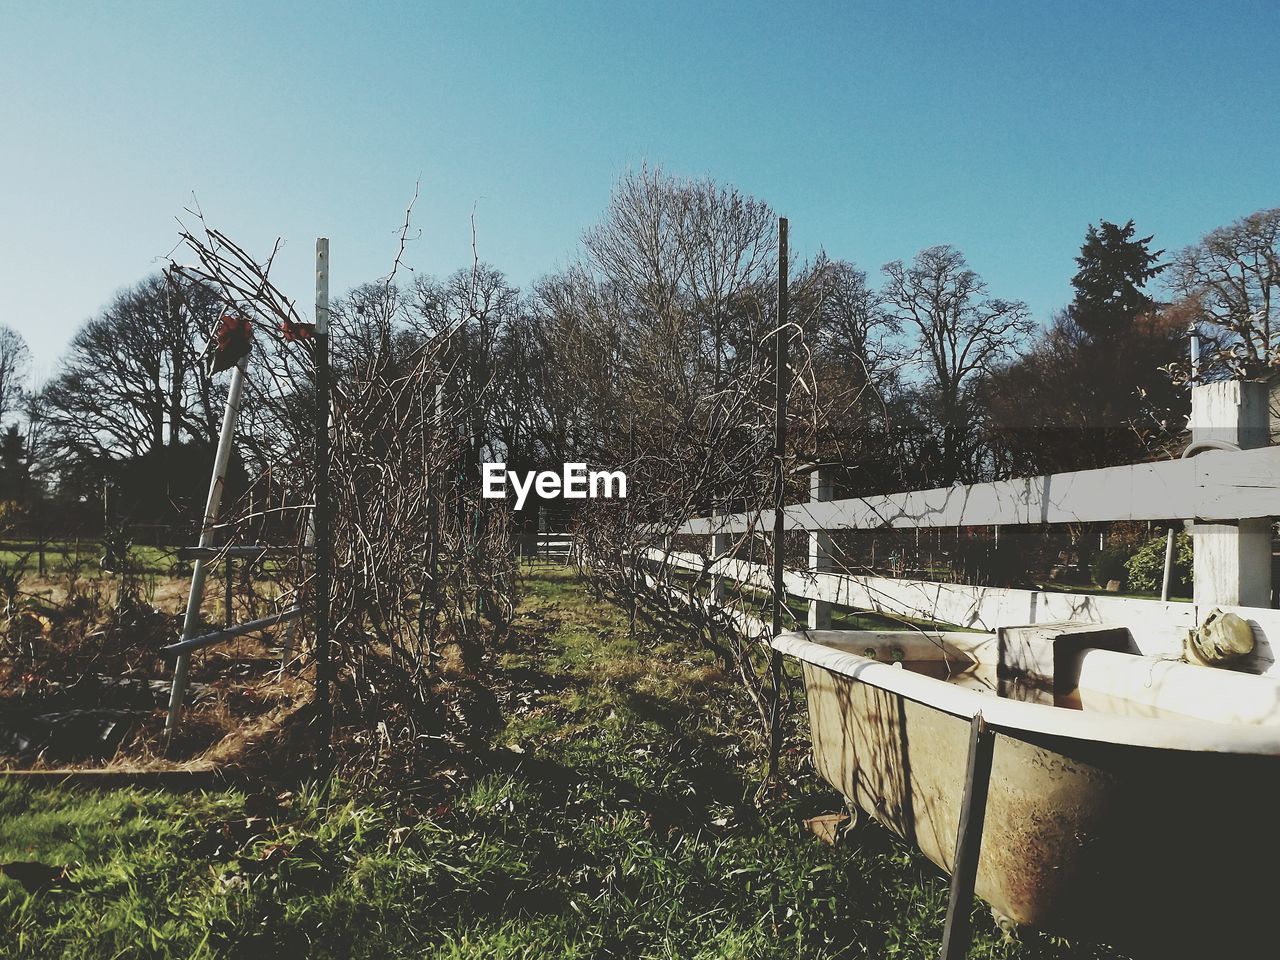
[{"x": 877, "y": 128}]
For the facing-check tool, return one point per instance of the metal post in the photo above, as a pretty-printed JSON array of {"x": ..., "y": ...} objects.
[
  {"x": 435, "y": 490},
  {"x": 958, "y": 932},
  {"x": 781, "y": 389},
  {"x": 1168, "y": 565},
  {"x": 1193, "y": 332},
  {"x": 199, "y": 570},
  {"x": 324, "y": 658}
]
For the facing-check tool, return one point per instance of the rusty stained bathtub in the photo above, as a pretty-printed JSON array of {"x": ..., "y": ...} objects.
[{"x": 1138, "y": 809}]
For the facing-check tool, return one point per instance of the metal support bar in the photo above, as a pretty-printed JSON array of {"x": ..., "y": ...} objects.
[
  {"x": 239, "y": 630},
  {"x": 958, "y": 932},
  {"x": 216, "y": 485},
  {"x": 320, "y": 516},
  {"x": 251, "y": 550}
]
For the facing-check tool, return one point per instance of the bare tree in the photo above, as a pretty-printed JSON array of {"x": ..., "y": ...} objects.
[
  {"x": 132, "y": 381},
  {"x": 1232, "y": 278},
  {"x": 963, "y": 334},
  {"x": 15, "y": 368}
]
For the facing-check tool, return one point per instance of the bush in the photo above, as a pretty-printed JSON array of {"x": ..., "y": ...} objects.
[
  {"x": 1108, "y": 565},
  {"x": 1146, "y": 567}
]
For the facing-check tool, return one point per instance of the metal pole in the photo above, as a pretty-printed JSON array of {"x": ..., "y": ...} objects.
[
  {"x": 198, "y": 571},
  {"x": 1193, "y": 331},
  {"x": 288, "y": 615},
  {"x": 781, "y": 389},
  {"x": 958, "y": 932},
  {"x": 324, "y": 661},
  {"x": 435, "y": 490},
  {"x": 1168, "y": 565}
]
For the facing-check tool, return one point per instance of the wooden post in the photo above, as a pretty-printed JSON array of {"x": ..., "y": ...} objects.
[
  {"x": 820, "y": 488},
  {"x": 958, "y": 932},
  {"x": 324, "y": 656},
  {"x": 1232, "y": 565}
]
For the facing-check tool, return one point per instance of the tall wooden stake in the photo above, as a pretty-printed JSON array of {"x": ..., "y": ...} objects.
[
  {"x": 781, "y": 389},
  {"x": 324, "y": 656}
]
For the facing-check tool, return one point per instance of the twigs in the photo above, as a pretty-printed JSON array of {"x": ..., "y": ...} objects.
[{"x": 400, "y": 489}]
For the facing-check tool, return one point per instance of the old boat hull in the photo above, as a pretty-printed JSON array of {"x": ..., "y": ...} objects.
[{"x": 1149, "y": 834}]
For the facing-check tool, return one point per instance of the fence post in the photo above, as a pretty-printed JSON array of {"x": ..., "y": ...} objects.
[
  {"x": 720, "y": 543},
  {"x": 1232, "y": 562},
  {"x": 820, "y": 488}
]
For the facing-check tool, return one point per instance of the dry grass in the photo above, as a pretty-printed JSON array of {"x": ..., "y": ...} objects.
[{"x": 69, "y": 631}]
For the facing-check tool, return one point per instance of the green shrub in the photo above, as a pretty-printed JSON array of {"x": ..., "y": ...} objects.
[
  {"x": 1108, "y": 565},
  {"x": 1146, "y": 567}
]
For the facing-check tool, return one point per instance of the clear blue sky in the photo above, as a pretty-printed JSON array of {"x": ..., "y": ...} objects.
[{"x": 1003, "y": 128}]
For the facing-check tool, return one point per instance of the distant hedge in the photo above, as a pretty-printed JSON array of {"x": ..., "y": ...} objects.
[
  {"x": 1146, "y": 567},
  {"x": 1109, "y": 564}
]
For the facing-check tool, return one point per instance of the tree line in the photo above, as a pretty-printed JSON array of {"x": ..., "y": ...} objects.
[{"x": 914, "y": 375}]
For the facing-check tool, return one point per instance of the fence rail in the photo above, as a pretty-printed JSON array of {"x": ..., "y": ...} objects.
[
  {"x": 1217, "y": 485},
  {"x": 1228, "y": 496}
]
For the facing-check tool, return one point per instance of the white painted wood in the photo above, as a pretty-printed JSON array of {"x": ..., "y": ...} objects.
[
  {"x": 1158, "y": 628},
  {"x": 1216, "y": 485},
  {"x": 1019, "y": 715},
  {"x": 1233, "y": 569},
  {"x": 1232, "y": 561},
  {"x": 821, "y": 489}
]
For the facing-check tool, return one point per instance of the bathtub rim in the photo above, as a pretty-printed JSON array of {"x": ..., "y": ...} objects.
[{"x": 1015, "y": 716}]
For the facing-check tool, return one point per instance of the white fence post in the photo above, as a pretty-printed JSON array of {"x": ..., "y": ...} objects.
[
  {"x": 720, "y": 543},
  {"x": 1232, "y": 564},
  {"x": 820, "y": 488}
]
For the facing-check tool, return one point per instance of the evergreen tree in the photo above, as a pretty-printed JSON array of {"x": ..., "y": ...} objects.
[
  {"x": 13, "y": 464},
  {"x": 1114, "y": 270}
]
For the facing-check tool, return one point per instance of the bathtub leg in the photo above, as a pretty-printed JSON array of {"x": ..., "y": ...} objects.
[{"x": 958, "y": 932}]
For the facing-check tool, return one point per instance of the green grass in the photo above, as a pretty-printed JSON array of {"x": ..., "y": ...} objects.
[
  {"x": 612, "y": 819},
  {"x": 61, "y": 556}
]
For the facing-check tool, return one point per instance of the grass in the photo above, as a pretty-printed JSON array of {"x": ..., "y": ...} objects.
[
  {"x": 82, "y": 555},
  {"x": 611, "y": 817}
]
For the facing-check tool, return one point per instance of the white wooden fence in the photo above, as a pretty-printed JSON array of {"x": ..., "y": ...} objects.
[{"x": 1231, "y": 495}]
